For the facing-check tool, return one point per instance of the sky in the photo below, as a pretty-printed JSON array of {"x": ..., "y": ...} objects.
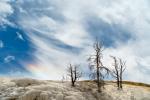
[{"x": 39, "y": 38}]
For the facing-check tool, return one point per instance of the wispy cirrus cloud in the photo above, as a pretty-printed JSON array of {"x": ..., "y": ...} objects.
[
  {"x": 1, "y": 44},
  {"x": 63, "y": 32},
  {"x": 9, "y": 58},
  {"x": 5, "y": 10},
  {"x": 116, "y": 22}
]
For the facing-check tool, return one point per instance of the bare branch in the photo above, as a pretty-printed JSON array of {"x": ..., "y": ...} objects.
[
  {"x": 119, "y": 68},
  {"x": 74, "y": 73},
  {"x": 97, "y": 66}
]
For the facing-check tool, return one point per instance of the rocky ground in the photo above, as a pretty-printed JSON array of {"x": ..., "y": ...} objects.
[{"x": 30, "y": 89}]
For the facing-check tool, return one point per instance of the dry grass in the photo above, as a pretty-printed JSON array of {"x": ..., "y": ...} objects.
[
  {"x": 138, "y": 84},
  {"x": 124, "y": 82}
]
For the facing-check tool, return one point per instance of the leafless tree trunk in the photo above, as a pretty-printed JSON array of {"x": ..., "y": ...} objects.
[
  {"x": 96, "y": 65},
  {"x": 117, "y": 72},
  {"x": 74, "y": 73},
  {"x": 122, "y": 69}
]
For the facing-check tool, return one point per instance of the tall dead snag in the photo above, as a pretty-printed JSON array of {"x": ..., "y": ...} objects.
[
  {"x": 73, "y": 73},
  {"x": 96, "y": 66},
  {"x": 117, "y": 72},
  {"x": 122, "y": 69}
]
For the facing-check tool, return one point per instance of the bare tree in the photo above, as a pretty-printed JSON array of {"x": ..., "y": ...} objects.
[
  {"x": 117, "y": 72},
  {"x": 122, "y": 69},
  {"x": 96, "y": 65},
  {"x": 74, "y": 73}
]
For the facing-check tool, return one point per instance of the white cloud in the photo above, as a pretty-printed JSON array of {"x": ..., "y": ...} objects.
[
  {"x": 19, "y": 36},
  {"x": 5, "y": 11},
  {"x": 64, "y": 20},
  {"x": 9, "y": 58}
]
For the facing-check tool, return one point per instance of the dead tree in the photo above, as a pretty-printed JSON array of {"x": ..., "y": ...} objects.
[
  {"x": 117, "y": 72},
  {"x": 122, "y": 69},
  {"x": 74, "y": 73},
  {"x": 96, "y": 66}
]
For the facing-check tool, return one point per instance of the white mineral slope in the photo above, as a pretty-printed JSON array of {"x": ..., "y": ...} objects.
[{"x": 31, "y": 89}]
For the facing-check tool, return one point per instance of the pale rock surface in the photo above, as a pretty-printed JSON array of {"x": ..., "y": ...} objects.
[
  {"x": 70, "y": 98},
  {"x": 44, "y": 96},
  {"x": 31, "y": 89},
  {"x": 59, "y": 96},
  {"x": 31, "y": 95}
]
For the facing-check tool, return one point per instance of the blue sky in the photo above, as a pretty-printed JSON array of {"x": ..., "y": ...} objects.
[
  {"x": 38, "y": 38},
  {"x": 15, "y": 48}
]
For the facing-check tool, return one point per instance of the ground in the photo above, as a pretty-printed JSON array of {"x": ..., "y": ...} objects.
[{"x": 31, "y": 89}]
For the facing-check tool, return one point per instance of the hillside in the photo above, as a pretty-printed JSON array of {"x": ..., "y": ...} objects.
[{"x": 30, "y": 89}]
